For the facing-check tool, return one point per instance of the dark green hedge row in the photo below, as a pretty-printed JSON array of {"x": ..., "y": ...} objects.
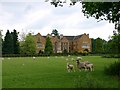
[
  {"x": 43, "y": 55},
  {"x": 111, "y": 56}
]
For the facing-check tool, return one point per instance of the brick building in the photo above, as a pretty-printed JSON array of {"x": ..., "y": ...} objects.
[{"x": 60, "y": 43}]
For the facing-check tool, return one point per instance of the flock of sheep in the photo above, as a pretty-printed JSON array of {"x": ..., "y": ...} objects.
[{"x": 80, "y": 65}]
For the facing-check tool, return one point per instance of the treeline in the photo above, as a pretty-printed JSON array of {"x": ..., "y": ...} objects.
[{"x": 11, "y": 46}]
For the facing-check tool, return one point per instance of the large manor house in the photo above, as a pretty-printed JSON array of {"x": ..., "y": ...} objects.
[{"x": 61, "y": 43}]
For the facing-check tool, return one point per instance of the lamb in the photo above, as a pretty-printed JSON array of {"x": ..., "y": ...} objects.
[
  {"x": 70, "y": 67},
  {"x": 89, "y": 67}
]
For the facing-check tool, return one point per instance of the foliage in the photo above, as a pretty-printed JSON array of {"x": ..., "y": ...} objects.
[
  {"x": 16, "y": 49},
  {"x": 1, "y": 41},
  {"x": 8, "y": 43},
  {"x": 88, "y": 82},
  {"x": 48, "y": 46},
  {"x": 114, "y": 44},
  {"x": 113, "y": 69},
  {"x": 55, "y": 32},
  {"x": 28, "y": 46},
  {"x": 99, "y": 46}
]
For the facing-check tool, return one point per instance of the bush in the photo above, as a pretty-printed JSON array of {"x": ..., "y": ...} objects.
[
  {"x": 88, "y": 82},
  {"x": 113, "y": 69},
  {"x": 111, "y": 56}
]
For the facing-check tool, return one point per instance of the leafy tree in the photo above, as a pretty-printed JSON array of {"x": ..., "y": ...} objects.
[
  {"x": 99, "y": 45},
  {"x": 102, "y": 10},
  {"x": 28, "y": 46},
  {"x": 16, "y": 48},
  {"x": 114, "y": 44},
  {"x": 8, "y": 43},
  {"x": 48, "y": 46},
  {"x": 55, "y": 32},
  {"x": 1, "y": 43},
  {"x": 99, "y": 10}
]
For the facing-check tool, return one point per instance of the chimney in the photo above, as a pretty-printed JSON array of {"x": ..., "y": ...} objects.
[
  {"x": 61, "y": 36},
  {"x": 88, "y": 35}
]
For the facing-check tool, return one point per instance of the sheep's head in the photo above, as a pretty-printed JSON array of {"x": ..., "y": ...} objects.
[{"x": 77, "y": 61}]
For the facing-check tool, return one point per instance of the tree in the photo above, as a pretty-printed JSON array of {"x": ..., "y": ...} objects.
[
  {"x": 1, "y": 43},
  {"x": 99, "y": 45},
  {"x": 48, "y": 46},
  {"x": 8, "y": 43},
  {"x": 102, "y": 10},
  {"x": 16, "y": 48},
  {"x": 114, "y": 44},
  {"x": 55, "y": 32},
  {"x": 28, "y": 46},
  {"x": 99, "y": 10}
]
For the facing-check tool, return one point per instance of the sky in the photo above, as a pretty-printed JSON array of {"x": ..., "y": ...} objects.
[{"x": 42, "y": 17}]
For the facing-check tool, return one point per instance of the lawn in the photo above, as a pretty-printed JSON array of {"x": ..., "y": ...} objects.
[{"x": 44, "y": 72}]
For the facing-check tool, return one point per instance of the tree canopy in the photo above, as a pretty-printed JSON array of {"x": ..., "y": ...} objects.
[
  {"x": 28, "y": 46},
  {"x": 100, "y": 10},
  {"x": 55, "y": 32},
  {"x": 8, "y": 43}
]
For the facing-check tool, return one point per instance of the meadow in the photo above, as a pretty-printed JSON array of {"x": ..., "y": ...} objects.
[{"x": 51, "y": 72}]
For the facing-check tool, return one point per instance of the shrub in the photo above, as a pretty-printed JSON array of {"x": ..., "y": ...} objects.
[
  {"x": 88, "y": 82},
  {"x": 113, "y": 69}
]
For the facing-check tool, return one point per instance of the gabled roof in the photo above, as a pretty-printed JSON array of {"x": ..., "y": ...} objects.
[
  {"x": 76, "y": 37},
  {"x": 73, "y": 37},
  {"x": 70, "y": 37}
]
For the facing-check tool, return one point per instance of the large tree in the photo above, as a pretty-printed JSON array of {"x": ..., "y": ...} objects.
[
  {"x": 8, "y": 43},
  {"x": 99, "y": 9},
  {"x": 99, "y": 45},
  {"x": 16, "y": 48},
  {"x": 1, "y": 43},
  {"x": 48, "y": 46},
  {"x": 102, "y": 11},
  {"x": 28, "y": 46}
]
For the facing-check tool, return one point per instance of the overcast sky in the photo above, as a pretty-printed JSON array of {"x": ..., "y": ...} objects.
[{"x": 43, "y": 17}]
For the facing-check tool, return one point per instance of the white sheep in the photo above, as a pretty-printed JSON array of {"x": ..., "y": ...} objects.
[
  {"x": 80, "y": 58},
  {"x": 80, "y": 65},
  {"x": 89, "y": 67},
  {"x": 33, "y": 58},
  {"x": 70, "y": 67}
]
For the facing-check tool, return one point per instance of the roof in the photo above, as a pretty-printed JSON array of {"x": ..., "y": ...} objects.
[
  {"x": 70, "y": 38},
  {"x": 73, "y": 37}
]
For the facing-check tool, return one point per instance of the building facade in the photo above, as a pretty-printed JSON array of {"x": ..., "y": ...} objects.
[{"x": 61, "y": 43}]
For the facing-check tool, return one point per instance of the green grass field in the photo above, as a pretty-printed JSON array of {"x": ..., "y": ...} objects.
[{"x": 24, "y": 72}]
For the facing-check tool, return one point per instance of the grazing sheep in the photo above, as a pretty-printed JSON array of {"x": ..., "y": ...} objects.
[
  {"x": 79, "y": 58},
  {"x": 89, "y": 67},
  {"x": 80, "y": 65},
  {"x": 66, "y": 59},
  {"x": 9, "y": 58},
  {"x": 68, "y": 55},
  {"x": 70, "y": 67},
  {"x": 33, "y": 58}
]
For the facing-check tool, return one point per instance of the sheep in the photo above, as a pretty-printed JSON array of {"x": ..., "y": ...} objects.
[
  {"x": 70, "y": 67},
  {"x": 80, "y": 65},
  {"x": 89, "y": 67},
  {"x": 79, "y": 58},
  {"x": 33, "y": 58}
]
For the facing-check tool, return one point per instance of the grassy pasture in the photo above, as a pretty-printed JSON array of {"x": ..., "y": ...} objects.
[{"x": 44, "y": 72}]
